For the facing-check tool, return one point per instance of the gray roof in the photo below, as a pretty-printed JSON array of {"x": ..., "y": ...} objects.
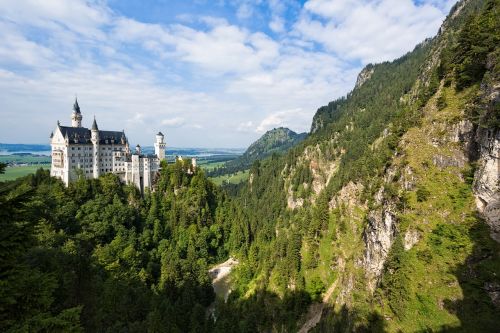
[
  {"x": 94, "y": 125},
  {"x": 82, "y": 135},
  {"x": 76, "y": 107}
]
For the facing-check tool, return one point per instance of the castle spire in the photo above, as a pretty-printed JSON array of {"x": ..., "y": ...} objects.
[
  {"x": 76, "y": 116},
  {"x": 94, "y": 125},
  {"x": 76, "y": 107}
]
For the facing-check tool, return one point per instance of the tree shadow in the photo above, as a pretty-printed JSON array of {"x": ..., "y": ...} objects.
[
  {"x": 479, "y": 279},
  {"x": 263, "y": 311}
]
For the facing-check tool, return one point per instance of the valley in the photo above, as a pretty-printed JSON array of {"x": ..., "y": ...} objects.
[{"x": 384, "y": 217}]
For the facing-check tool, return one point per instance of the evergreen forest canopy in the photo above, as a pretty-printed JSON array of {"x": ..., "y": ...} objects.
[{"x": 99, "y": 257}]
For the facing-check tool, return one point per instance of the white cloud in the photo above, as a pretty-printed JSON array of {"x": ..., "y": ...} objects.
[
  {"x": 244, "y": 11},
  {"x": 209, "y": 81},
  {"x": 246, "y": 126},
  {"x": 289, "y": 118},
  {"x": 173, "y": 122},
  {"x": 84, "y": 18},
  {"x": 368, "y": 31}
]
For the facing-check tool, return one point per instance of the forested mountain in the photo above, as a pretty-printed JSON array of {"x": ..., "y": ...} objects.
[
  {"x": 385, "y": 216},
  {"x": 275, "y": 141},
  {"x": 384, "y": 219}
]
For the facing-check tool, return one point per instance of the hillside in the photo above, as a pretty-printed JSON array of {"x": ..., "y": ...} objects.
[
  {"x": 386, "y": 216},
  {"x": 275, "y": 141}
]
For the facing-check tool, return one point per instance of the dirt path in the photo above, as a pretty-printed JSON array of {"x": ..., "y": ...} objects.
[{"x": 316, "y": 309}]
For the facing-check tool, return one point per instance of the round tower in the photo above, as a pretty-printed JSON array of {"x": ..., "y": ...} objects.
[
  {"x": 76, "y": 116},
  {"x": 95, "y": 142},
  {"x": 160, "y": 146}
]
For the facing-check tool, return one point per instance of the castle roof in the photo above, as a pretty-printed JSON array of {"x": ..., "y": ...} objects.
[
  {"x": 82, "y": 135},
  {"x": 94, "y": 125},
  {"x": 76, "y": 107}
]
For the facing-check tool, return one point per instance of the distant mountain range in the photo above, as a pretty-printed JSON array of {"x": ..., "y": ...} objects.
[{"x": 11, "y": 148}]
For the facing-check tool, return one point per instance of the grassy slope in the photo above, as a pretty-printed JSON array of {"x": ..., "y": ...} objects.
[
  {"x": 445, "y": 280},
  {"x": 236, "y": 178}
]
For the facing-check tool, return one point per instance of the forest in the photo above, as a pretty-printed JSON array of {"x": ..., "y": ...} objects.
[{"x": 98, "y": 256}]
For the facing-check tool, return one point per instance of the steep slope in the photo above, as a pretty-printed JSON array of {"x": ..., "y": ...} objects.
[{"x": 389, "y": 204}]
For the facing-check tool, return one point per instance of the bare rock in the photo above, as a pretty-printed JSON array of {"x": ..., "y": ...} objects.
[
  {"x": 411, "y": 238},
  {"x": 487, "y": 181},
  {"x": 378, "y": 237}
]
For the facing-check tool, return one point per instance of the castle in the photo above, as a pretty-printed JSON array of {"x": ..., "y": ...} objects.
[{"x": 92, "y": 152}]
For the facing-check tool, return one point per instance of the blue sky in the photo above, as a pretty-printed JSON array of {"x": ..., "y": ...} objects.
[{"x": 206, "y": 73}]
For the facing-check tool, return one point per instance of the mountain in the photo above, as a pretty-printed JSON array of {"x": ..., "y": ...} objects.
[
  {"x": 386, "y": 216},
  {"x": 384, "y": 219},
  {"x": 275, "y": 141}
]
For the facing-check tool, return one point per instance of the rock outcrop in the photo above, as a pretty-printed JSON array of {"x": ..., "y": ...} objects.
[
  {"x": 378, "y": 238},
  {"x": 486, "y": 179},
  {"x": 364, "y": 75}
]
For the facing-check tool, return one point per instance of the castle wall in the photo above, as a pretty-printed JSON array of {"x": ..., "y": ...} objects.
[{"x": 95, "y": 157}]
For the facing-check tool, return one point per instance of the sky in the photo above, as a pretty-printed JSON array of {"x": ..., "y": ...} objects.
[{"x": 207, "y": 73}]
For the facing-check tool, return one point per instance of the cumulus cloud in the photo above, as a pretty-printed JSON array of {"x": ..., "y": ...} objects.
[
  {"x": 369, "y": 31},
  {"x": 209, "y": 80}
]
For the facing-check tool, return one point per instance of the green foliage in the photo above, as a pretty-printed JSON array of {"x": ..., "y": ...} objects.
[
  {"x": 479, "y": 36},
  {"x": 99, "y": 257},
  {"x": 395, "y": 280},
  {"x": 315, "y": 288},
  {"x": 473, "y": 57},
  {"x": 422, "y": 194}
]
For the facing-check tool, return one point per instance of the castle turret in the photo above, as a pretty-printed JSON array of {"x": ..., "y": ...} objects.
[
  {"x": 160, "y": 146},
  {"x": 95, "y": 141},
  {"x": 76, "y": 116}
]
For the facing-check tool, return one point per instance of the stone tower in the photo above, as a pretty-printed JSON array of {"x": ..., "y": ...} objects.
[
  {"x": 76, "y": 116},
  {"x": 95, "y": 141},
  {"x": 160, "y": 146}
]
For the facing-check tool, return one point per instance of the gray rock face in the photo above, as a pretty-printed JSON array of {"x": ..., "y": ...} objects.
[
  {"x": 364, "y": 76},
  {"x": 486, "y": 179},
  {"x": 378, "y": 237}
]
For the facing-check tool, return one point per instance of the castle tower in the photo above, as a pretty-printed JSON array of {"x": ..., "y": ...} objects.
[
  {"x": 76, "y": 116},
  {"x": 160, "y": 146},
  {"x": 95, "y": 141}
]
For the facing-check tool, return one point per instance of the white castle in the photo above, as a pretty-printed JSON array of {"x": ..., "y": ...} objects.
[{"x": 93, "y": 152}]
